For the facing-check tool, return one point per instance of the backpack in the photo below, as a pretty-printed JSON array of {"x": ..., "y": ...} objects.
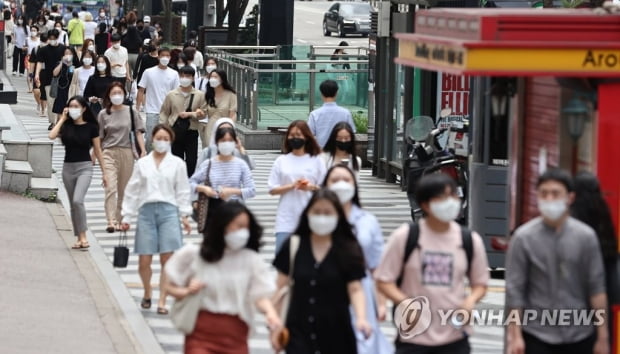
[{"x": 412, "y": 244}]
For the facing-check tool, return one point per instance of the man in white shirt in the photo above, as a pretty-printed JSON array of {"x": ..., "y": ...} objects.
[
  {"x": 119, "y": 60},
  {"x": 156, "y": 82},
  {"x": 82, "y": 14}
]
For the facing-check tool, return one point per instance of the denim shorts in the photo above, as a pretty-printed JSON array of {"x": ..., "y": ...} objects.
[{"x": 158, "y": 229}]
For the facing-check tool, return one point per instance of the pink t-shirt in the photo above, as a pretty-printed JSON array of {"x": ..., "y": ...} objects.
[{"x": 437, "y": 270}]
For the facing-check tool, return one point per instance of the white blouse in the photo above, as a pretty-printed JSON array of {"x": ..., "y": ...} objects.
[
  {"x": 150, "y": 184},
  {"x": 232, "y": 285}
]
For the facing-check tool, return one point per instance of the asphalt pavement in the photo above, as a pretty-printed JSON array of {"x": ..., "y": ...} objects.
[{"x": 308, "y": 30}]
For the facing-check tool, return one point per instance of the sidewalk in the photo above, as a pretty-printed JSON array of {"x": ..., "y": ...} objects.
[{"x": 52, "y": 299}]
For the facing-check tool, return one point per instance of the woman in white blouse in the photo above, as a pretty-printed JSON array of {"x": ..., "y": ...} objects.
[
  {"x": 231, "y": 279},
  {"x": 158, "y": 196},
  {"x": 82, "y": 74}
]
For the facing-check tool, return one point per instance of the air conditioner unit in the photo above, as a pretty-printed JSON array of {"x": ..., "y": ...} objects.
[{"x": 380, "y": 19}]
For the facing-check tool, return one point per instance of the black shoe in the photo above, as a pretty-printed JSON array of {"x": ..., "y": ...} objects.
[{"x": 50, "y": 127}]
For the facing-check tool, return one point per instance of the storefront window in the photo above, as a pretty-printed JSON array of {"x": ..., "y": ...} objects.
[{"x": 398, "y": 114}]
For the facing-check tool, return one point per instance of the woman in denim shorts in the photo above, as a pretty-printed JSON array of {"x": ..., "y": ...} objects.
[{"x": 158, "y": 197}]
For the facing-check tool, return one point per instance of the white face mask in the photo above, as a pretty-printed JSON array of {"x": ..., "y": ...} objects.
[
  {"x": 68, "y": 59},
  {"x": 552, "y": 210},
  {"x": 53, "y": 42},
  {"x": 116, "y": 45},
  {"x": 214, "y": 83},
  {"x": 210, "y": 68},
  {"x": 19, "y": 22},
  {"x": 75, "y": 113},
  {"x": 344, "y": 190},
  {"x": 446, "y": 210},
  {"x": 87, "y": 61},
  {"x": 164, "y": 61},
  {"x": 102, "y": 66},
  {"x": 33, "y": 33},
  {"x": 117, "y": 99},
  {"x": 102, "y": 14},
  {"x": 237, "y": 240},
  {"x": 185, "y": 82},
  {"x": 161, "y": 146},
  {"x": 91, "y": 48},
  {"x": 226, "y": 148},
  {"x": 322, "y": 225}
]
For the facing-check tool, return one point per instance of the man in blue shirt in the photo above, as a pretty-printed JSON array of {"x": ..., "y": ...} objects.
[{"x": 322, "y": 120}]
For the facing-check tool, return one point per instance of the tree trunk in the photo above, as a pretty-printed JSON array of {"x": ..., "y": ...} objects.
[
  {"x": 167, "y": 4},
  {"x": 220, "y": 13},
  {"x": 236, "y": 9}
]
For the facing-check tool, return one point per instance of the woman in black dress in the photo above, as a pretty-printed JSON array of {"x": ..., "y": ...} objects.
[
  {"x": 64, "y": 72},
  {"x": 98, "y": 84},
  {"x": 327, "y": 270}
]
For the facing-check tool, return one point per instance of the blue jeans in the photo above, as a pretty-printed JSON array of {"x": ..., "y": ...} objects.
[
  {"x": 280, "y": 238},
  {"x": 158, "y": 229}
]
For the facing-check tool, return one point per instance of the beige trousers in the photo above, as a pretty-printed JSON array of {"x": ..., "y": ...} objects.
[
  {"x": 118, "y": 163},
  {"x": 205, "y": 133}
]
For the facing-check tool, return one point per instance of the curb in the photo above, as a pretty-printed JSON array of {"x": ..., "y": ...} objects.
[{"x": 140, "y": 332}]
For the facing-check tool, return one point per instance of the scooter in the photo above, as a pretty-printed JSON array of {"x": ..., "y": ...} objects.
[{"x": 426, "y": 155}]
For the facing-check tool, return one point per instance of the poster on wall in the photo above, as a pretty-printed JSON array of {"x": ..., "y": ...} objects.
[{"x": 453, "y": 102}]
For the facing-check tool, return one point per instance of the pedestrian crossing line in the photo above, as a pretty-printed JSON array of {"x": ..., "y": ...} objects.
[{"x": 387, "y": 201}]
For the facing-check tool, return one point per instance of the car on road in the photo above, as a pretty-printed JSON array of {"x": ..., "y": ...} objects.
[{"x": 347, "y": 18}]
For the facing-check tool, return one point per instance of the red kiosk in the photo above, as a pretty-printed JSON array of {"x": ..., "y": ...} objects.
[{"x": 564, "y": 60}]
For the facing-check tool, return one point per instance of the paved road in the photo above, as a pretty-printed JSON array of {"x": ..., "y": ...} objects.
[
  {"x": 307, "y": 28},
  {"x": 386, "y": 201}
]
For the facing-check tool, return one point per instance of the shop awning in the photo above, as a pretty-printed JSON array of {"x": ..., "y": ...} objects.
[{"x": 528, "y": 42}]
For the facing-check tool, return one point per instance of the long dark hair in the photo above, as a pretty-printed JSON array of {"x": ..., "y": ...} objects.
[
  {"x": 67, "y": 132},
  {"x": 311, "y": 147},
  {"x": 221, "y": 133},
  {"x": 590, "y": 208},
  {"x": 108, "y": 69},
  {"x": 356, "y": 196},
  {"x": 210, "y": 95},
  {"x": 106, "y": 98},
  {"x": 213, "y": 245},
  {"x": 344, "y": 243},
  {"x": 330, "y": 146}
]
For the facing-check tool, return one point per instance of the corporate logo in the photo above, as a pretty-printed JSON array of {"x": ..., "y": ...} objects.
[{"x": 413, "y": 317}]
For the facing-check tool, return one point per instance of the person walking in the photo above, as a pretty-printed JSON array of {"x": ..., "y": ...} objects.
[
  {"x": 340, "y": 148},
  {"x": 153, "y": 88},
  {"x": 48, "y": 58},
  {"x": 212, "y": 149},
  {"x": 229, "y": 177},
  {"x": 148, "y": 59},
  {"x": 181, "y": 110},
  {"x": 591, "y": 208},
  {"x": 32, "y": 44},
  {"x": 222, "y": 103},
  {"x": 294, "y": 176},
  {"x": 9, "y": 27},
  {"x": 231, "y": 279},
  {"x": 75, "y": 28},
  {"x": 115, "y": 128},
  {"x": 90, "y": 27},
  {"x": 210, "y": 65},
  {"x": 119, "y": 60},
  {"x": 79, "y": 132},
  {"x": 98, "y": 84},
  {"x": 432, "y": 259},
  {"x": 38, "y": 93},
  {"x": 102, "y": 39},
  {"x": 82, "y": 74},
  {"x": 20, "y": 34},
  {"x": 323, "y": 120},
  {"x": 156, "y": 199},
  {"x": 131, "y": 40},
  {"x": 64, "y": 72},
  {"x": 341, "y": 180},
  {"x": 554, "y": 262},
  {"x": 328, "y": 267},
  {"x": 63, "y": 37}
]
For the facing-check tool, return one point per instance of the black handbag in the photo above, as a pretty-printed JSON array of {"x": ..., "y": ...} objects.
[
  {"x": 121, "y": 252},
  {"x": 181, "y": 126},
  {"x": 54, "y": 87}
]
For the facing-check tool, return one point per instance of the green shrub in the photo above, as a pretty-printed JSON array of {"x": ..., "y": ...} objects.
[{"x": 360, "y": 119}]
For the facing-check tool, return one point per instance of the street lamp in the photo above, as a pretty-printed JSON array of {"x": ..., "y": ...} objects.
[{"x": 576, "y": 113}]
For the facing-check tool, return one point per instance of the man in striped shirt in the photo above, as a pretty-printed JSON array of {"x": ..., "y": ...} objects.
[{"x": 322, "y": 120}]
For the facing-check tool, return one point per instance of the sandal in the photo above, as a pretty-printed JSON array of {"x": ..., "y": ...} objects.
[
  {"x": 162, "y": 311},
  {"x": 85, "y": 245},
  {"x": 76, "y": 246},
  {"x": 146, "y": 303},
  {"x": 111, "y": 228}
]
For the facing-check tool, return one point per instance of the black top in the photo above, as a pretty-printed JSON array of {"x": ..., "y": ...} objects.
[
  {"x": 145, "y": 61},
  {"x": 101, "y": 42},
  {"x": 97, "y": 86},
  {"x": 78, "y": 139},
  {"x": 51, "y": 56},
  {"x": 319, "y": 319},
  {"x": 132, "y": 40}
]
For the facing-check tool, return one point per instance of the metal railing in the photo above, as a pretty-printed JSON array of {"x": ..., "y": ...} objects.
[{"x": 260, "y": 74}]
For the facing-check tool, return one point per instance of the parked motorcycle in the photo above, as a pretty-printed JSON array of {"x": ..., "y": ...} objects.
[{"x": 429, "y": 150}]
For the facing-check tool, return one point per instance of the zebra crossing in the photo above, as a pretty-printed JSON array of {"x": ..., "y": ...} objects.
[{"x": 386, "y": 201}]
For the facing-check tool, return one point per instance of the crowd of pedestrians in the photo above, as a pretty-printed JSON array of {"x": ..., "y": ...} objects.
[{"x": 95, "y": 79}]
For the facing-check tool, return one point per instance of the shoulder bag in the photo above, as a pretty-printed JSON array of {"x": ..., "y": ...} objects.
[
  {"x": 135, "y": 147},
  {"x": 201, "y": 207},
  {"x": 184, "y": 312},
  {"x": 282, "y": 298},
  {"x": 181, "y": 126}
]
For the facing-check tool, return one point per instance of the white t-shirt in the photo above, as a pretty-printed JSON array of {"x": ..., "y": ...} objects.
[
  {"x": 89, "y": 30},
  {"x": 288, "y": 169},
  {"x": 83, "y": 76},
  {"x": 158, "y": 83},
  {"x": 32, "y": 43},
  {"x": 118, "y": 56}
]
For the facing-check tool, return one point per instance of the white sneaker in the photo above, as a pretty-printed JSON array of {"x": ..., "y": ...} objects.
[
  {"x": 21, "y": 75},
  {"x": 14, "y": 73}
]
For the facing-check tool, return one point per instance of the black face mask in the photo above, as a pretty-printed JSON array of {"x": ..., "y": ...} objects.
[
  {"x": 344, "y": 145},
  {"x": 296, "y": 143}
]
